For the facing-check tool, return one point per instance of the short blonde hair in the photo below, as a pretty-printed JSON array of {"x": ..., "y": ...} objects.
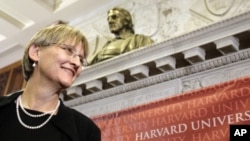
[{"x": 52, "y": 34}]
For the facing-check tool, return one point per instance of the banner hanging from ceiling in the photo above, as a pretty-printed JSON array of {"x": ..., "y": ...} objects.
[{"x": 200, "y": 115}]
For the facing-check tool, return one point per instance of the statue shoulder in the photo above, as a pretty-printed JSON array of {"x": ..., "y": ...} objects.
[{"x": 144, "y": 38}]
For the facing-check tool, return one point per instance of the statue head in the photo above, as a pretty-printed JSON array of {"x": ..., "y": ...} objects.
[
  {"x": 118, "y": 19},
  {"x": 47, "y": 36}
]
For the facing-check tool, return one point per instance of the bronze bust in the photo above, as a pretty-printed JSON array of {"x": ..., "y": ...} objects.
[{"x": 121, "y": 25}]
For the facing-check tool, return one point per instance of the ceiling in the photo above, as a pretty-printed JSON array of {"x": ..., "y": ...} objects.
[{"x": 20, "y": 19}]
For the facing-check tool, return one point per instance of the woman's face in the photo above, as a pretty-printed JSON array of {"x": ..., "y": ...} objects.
[{"x": 61, "y": 63}]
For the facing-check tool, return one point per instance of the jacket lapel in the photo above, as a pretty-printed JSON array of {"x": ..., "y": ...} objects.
[
  {"x": 65, "y": 122},
  {"x": 4, "y": 100}
]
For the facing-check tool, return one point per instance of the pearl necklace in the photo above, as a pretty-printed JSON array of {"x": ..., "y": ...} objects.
[{"x": 19, "y": 102}]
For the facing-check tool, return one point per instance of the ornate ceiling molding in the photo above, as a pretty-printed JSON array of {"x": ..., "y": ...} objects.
[{"x": 221, "y": 46}]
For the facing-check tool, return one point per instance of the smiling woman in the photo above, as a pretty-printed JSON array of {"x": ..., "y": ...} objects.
[
  {"x": 51, "y": 35},
  {"x": 52, "y": 61}
]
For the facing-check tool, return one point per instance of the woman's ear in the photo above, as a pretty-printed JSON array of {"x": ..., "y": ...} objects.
[{"x": 33, "y": 52}]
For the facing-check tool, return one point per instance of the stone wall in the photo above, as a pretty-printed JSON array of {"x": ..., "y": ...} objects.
[{"x": 163, "y": 19}]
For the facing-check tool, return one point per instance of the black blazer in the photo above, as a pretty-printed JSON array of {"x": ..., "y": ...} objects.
[{"x": 74, "y": 124}]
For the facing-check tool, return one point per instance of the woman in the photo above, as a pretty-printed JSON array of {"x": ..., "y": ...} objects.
[{"x": 52, "y": 60}]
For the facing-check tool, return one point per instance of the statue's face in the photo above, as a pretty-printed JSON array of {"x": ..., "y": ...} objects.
[{"x": 116, "y": 21}]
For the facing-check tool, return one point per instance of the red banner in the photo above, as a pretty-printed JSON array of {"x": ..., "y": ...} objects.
[{"x": 200, "y": 115}]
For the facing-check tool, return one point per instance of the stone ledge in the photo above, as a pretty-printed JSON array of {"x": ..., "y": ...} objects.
[{"x": 167, "y": 76}]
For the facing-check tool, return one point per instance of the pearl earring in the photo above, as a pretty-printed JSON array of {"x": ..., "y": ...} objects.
[{"x": 34, "y": 64}]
